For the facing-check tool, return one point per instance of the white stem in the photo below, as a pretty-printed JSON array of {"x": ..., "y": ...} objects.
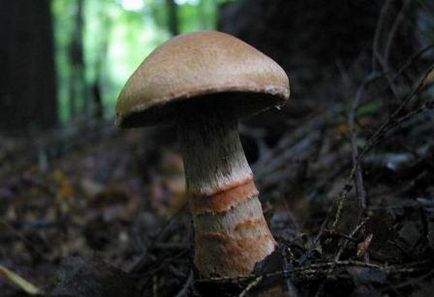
[
  {"x": 213, "y": 156},
  {"x": 231, "y": 234}
]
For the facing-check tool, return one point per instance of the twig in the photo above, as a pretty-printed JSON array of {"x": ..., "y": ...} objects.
[
  {"x": 375, "y": 46},
  {"x": 320, "y": 289},
  {"x": 390, "y": 123},
  {"x": 19, "y": 282},
  {"x": 186, "y": 286},
  {"x": 393, "y": 120},
  {"x": 408, "y": 63},
  {"x": 251, "y": 285},
  {"x": 394, "y": 29},
  {"x": 310, "y": 272},
  {"x": 307, "y": 254},
  {"x": 360, "y": 189},
  {"x": 155, "y": 286},
  {"x": 413, "y": 281},
  {"x": 289, "y": 139},
  {"x": 24, "y": 239},
  {"x": 392, "y": 33},
  {"x": 291, "y": 289},
  {"x": 343, "y": 243},
  {"x": 339, "y": 234},
  {"x": 285, "y": 153}
]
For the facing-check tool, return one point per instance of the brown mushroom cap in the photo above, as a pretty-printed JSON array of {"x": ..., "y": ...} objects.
[{"x": 200, "y": 66}]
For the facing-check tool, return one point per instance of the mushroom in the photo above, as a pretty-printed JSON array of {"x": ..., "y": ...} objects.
[{"x": 202, "y": 83}]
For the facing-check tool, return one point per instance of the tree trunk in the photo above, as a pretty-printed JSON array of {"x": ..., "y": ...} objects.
[
  {"x": 100, "y": 78},
  {"x": 27, "y": 80},
  {"x": 172, "y": 17},
  {"x": 77, "y": 82}
]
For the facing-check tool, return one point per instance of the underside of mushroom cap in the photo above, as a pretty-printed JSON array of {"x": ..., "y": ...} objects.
[{"x": 210, "y": 66}]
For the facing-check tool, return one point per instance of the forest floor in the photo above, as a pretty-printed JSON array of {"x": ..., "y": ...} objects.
[{"x": 90, "y": 210}]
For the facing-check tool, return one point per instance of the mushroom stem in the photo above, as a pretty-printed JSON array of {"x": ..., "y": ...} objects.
[{"x": 231, "y": 234}]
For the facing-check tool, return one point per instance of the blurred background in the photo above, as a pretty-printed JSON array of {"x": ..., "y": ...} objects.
[
  {"x": 63, "y": 60},
  {"x": 76, "y": 55},
  {"x": 351, "y": 154}
]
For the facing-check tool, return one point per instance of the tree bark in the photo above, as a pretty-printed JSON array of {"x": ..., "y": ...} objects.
[
  {"x": 77, "y": 81},
  {"x": 172, "y": 17},
  {"x": 27, "y": 80}
]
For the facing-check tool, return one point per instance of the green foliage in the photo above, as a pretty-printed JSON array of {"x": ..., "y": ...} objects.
[{"x": 118, "y": 35}]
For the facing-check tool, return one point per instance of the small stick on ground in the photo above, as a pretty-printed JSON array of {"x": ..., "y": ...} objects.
[
  {"x": 393, "y": 121},
  {"x": 186, "y": 286},
  {"x": 251, "y": 285}
]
